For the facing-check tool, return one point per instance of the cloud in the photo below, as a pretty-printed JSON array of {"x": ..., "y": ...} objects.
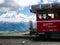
[
  {"x": 24, "y": 3},
  {"x": 12, "y": 6},
  {"x": 15, "y": 5},
  {"x": 45, "y": 1},
  {"x": 27, "y": 18},
  {"x": 13, "y": 17},
  {"x": 58, "y": 1},
  {"x": 1, "y": 1},
  {"x": 9, "y": 5}
]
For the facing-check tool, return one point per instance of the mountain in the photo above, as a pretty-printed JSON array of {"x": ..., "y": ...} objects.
[{"x": 14, "y": 27}]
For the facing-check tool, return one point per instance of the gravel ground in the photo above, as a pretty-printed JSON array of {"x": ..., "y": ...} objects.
[{"x": 22, "y": 41}]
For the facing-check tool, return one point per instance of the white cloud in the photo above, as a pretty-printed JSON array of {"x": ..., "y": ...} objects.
[
  {"x": 9, "y": 5},
  {"x": 13, "y": 17},
  {"x": 58, "y": 1},
  {"x": 15, "y": 5},
  {"x": 12, "y": 6},
  {"x": 45, "y": 1},
  {"x": 25, "y": 3},
  {"x": 26, "y": 18},
  {"x": 2, "y": 1}
]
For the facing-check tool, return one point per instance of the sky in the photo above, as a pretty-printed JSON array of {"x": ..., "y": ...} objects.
[{"x": 19, "y": 10}]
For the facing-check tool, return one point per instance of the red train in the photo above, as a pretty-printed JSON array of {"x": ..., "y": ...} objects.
[{"x": 47, "y": 20}]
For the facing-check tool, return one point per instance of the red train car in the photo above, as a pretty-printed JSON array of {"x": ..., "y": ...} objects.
[{"x": 47, "y": 20}]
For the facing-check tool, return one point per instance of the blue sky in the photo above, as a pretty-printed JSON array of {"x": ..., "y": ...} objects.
[
  {"x": 26, "y": 10},
  {"x": 19, "y": 10}
]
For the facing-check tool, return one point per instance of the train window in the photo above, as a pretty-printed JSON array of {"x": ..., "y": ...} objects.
[
  {"x": 50, "y": 16},
  {"x": 44, "y": 16},
  {"x": 58, "y": 14},
  {"x": 40, "y": 16}
]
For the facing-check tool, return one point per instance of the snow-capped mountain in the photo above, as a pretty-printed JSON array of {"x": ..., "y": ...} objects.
[{"x": 15, "y": 27}]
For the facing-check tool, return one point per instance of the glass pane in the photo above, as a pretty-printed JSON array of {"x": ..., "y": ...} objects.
[
  {"x": 40, "y": 16},
  {"x": 44, "y": 16},
  {"x": 58, "y": 14},
  {"x": 51, "y": 16}
]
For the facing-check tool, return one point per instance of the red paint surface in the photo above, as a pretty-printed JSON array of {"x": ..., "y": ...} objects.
[{"x": 48, "y": 26}]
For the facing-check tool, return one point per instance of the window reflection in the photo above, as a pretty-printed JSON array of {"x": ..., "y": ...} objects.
[{"x": 58, "y": 14}]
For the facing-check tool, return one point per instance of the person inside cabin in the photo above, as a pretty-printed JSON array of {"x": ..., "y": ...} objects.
[{"x": 48, "y": 16}]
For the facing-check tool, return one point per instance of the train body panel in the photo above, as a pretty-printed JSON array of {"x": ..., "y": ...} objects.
[{"x": 48, "y": 26}]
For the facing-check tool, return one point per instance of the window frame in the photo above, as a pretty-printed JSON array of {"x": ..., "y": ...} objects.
[{"x": 42, "y": 12}]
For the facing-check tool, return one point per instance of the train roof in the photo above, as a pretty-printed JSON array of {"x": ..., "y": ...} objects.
[{"x": 44, "y": 7}]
